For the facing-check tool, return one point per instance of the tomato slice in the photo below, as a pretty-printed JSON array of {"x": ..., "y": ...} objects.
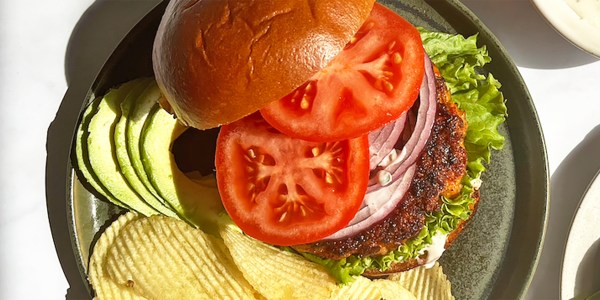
[
  {"x": 370, "y": 83},
  {"x": 286, "y": 191}
]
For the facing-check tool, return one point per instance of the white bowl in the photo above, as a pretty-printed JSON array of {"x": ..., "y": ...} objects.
[{"x": 577, "y": 20}]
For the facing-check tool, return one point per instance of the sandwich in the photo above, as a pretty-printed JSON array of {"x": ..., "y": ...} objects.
[
  {"x": 339, "y": 137},
  {"x": 346, "y": 134}
]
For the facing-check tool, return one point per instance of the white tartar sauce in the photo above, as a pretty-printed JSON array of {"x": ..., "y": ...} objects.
[{"x": 435, "y": 250}]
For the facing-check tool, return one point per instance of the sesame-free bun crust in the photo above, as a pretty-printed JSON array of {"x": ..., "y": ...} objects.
[{"x": 217, "y": 61}]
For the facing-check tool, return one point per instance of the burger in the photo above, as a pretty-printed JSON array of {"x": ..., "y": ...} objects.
[{"x": 347, "y": 135}]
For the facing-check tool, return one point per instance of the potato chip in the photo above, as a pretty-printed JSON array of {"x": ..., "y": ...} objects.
[
  {"x": 392, "y": 290},
  {"x": 426, "y": 283},
  {"x": 364, "y": 289},
  {"x": 274, "y": 273},
  {"x": 164, "y": 258},
  {"x": 360, "y": 289},
  {"x": 104, "y": 287}
]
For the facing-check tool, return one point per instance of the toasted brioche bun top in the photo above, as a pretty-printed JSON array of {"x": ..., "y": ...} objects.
[{"x": 217, "y": 61}]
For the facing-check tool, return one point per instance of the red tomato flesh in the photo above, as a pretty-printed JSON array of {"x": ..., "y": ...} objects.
[
  {"x": 286, "y": 191},
  {"x": 370, "y": 83}
]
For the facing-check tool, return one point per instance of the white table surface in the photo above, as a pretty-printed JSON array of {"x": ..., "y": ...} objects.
[{"x": 45, "y": 44}]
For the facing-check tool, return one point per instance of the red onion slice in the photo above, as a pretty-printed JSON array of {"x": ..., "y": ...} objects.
[
  {"x": 384, "y": 194},
  {"x": 382, "y": 141},
  {"x": 411, "y": 119},
  {"x": 425, "y": 119},
  {"x": 422, "y": 130},
  {"x": 374, "y": 209}
]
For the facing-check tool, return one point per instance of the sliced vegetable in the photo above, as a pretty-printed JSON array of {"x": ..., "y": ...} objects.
[
  {"x": 370, "y": 83},
  {"x": 101, "y": 149},
  {"x": 390, "y": 181},
  {"x": 411, "y": 150},
  {"x": 125, "y": 161},
  {"x": 82, "y": 157},
  {"x": 138, "y": 114},
  {"x": 196, "y": 201},
  {"x": 383, "y": 141},
  {"x": 286, "y": 191}
]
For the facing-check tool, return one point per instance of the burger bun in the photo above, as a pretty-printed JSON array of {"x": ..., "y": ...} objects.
[{"x": 217, "y": 61}]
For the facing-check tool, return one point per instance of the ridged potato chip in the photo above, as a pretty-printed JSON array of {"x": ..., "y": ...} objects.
[
  {"x": 392, "y": 290},
  {"x": 365, "y": 289},
  {"x": 274, "y": 273},
  {"x": 426, "y": 283},
  {"x": 360, "y": 289},
  {"x": 104, "y": 287},
  {"x": 164, "y": 258}
]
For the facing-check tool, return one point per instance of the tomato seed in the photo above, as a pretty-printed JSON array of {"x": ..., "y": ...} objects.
[
  {"x": 304, "y": 103},
  {"x": 283, "y": 216},
  {"x": 308, "y": 87},
  {"x": 315, "y": 151},
  {"x": 397, "y": 58},
  {"x": 388, "y": 86},
  {"x": 251, "y": 153},
  {"x": 328, "y": 178}
]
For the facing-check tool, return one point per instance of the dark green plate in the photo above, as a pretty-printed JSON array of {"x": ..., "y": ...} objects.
[{"x": 494, "y": 257}]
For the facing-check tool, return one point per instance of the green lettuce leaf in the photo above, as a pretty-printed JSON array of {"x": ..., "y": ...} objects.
[{"x": 459, "y": 60}]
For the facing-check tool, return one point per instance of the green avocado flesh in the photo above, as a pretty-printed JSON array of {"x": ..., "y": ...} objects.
[
  {"x": 197, "y": 201},
  {"x": 138, "y": 114},
  {"x": 81, "y": 153},
  {"x": 136, "y": 96},
  {"x": 101, "y": 147},
  {"x": 123, "y": 150}
]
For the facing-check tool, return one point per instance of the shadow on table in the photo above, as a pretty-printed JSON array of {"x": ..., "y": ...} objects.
[
  {"x": 569, "y": 183},
  {"x": 93, "y": 39},
  {"x": 528, "y": 37},
  {"x": 587, "y": 279}
]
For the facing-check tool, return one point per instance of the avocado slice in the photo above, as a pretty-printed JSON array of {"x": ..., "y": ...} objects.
[
  {"x": 133, "y": 133},
  {"x": 125, "y": 163},
  {"x": 197, "y": 201},
  {"x": 81, "y": 154},
  {"x": 101, "y": 149}
]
